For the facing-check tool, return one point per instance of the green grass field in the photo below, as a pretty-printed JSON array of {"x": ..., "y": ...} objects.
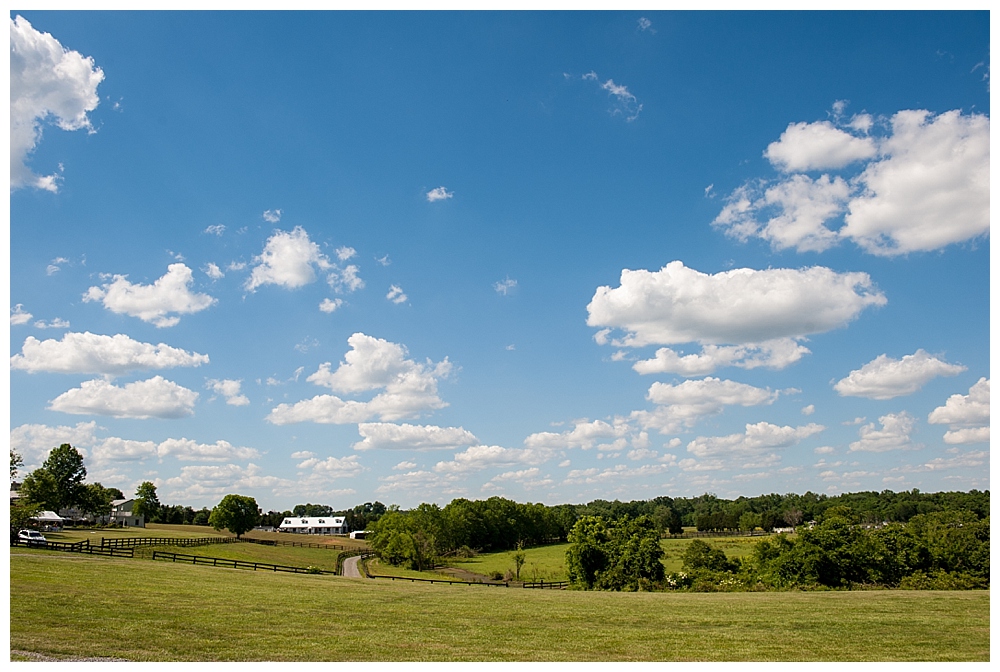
[{"x": 158, "y": 611}]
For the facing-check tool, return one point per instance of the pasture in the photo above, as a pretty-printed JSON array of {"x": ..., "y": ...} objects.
[{"x": 154, "y": 611}]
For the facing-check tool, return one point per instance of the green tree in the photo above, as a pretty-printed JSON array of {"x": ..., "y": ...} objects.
[
  {"x": 65, "y": 464},
  {"x": 146, "y": 504},
  {"x": 41, "y": 489},
  {"x": 16, "y": 462},
  {"x": 587, "y": 555},
  {"x": 97, "y": 499},
  {"x": 236, "y": 513},
  {"x": 699, "y": 555}
]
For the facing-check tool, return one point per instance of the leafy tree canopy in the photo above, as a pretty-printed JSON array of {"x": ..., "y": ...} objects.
[{"x": 236, "y": 513}]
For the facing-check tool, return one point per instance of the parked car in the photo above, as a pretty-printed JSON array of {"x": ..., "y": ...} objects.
[{"x": 32, "y": 537}]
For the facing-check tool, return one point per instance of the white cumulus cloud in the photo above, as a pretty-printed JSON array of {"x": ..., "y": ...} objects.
[
  {"x": 407, "y": 388},
  {"x": 389, "y": 436},
  {"x": 272, "y": 216},
  {"x": 968, "y": 415},
  {"x": 96, "y": 353},
  {"x": 18, "y": 315},
  {"x": 764, "y": 312},
  {"x": 170, "y": 293},
  {"x": 684, "y": 404},
  {"x": 922, "y": 186},
  {"x": 330, "y": 305},
  {"x": 47, "y": 83},
  {"x": 886, "y": 378},
  {"x": 230, "y": 390},
  {"x": 34, "y": 441},
  {"x": 289, "y": 260},
  {"x": 396, "y": 294},
  {"x": 894, "y": 434},
  {"x": 818, "y": 146},
  {"x": 439, "y": 194},
  {"x": 153, "y": 398},
  {"x": 584, "y": 435},
  {"x": 189, "y": 450},
  {"x": 757, "y": 442},
  {"x": 213, "y": 271}
]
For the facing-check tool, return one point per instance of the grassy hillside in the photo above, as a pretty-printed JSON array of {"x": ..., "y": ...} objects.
[{"x": 162, "y": 611}]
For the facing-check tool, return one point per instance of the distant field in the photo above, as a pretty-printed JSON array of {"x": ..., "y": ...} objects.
[
  {"x": 541, "y": 563},
  {"x": 734, "y": 547},
  {"x": 165, "y": 612}
]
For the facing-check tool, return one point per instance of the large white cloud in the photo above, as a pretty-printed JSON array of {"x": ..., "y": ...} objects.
[
  {"x": 923, "y": 185},
  {"x": 47, "y": 83},
  {"x": 584, "y": 435},
  {"x": 682, "y": 405},
  {"x": 288, "y": 260},
  {"x": 894, "y": 434},
  {"x": 775, "y": 354},
  {"x": 96, "y": 353},
  {"x": 931, "y": 189},
  {"x": 170, "y": 293},
  {"x": 389, "y": 436},
  {"x": 817, "y": 146},
  {"x": 967, "y": 414},
  {"x": 408, "y": 388},
  {"x": 885, "y": 377},
  {"x": 153, "y": 398},
  {"x": 211, "y": 482},
  {"x": 477, "y": 458},
  {"x": 758, "y": 439},
  {"x": 740, "y": 307},
  {"x": 34, "y": 441}
]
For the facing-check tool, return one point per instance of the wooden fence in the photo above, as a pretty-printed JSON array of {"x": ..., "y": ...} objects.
[
  {"x": 556, "y": 585},
  {"x": 234, "y": 564},
  {"x": 303, "y": 544},
  {"x": 78, "y": 547},
  {"x": 132, "y": 542}
]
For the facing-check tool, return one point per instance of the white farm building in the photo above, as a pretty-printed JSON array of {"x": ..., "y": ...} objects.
[{"x": 316, "y": 525}]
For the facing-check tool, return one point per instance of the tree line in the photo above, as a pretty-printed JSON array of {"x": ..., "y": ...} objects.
[{"x": 942, "y": 550}]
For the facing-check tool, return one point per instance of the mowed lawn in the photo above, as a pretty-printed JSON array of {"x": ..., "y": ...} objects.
[{"x": 165, "y": 612}]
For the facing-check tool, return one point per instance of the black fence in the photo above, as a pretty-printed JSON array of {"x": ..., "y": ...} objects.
[
  {"x": 555, "y": 585},
  {"x": 302, "y": 544},
  {"x": 132, "y": 542},
  {"x": 364, "y": 569},
  {"x": 78, "y": 547},
  {"x": 235, "y": 564}
]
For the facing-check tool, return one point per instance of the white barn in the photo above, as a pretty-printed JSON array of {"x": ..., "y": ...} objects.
[{"x": 314, "y": 525}]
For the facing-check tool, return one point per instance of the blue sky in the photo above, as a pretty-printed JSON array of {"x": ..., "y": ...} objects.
[{"x": 339, "y": 257}]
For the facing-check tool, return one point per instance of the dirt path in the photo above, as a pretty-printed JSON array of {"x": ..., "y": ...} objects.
[{"x": 351, "y": 570}]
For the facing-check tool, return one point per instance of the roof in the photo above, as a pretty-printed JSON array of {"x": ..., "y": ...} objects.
[
  {"x": 47, "y": 516},
  {"x": 316, "y": 521}
]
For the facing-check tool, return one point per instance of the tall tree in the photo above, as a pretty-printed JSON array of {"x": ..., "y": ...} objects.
[
  {"x": 97, "y": 499},
  {"x": 236, "y": 513},
  {"x": 147, "y": 504},
  {"x": 65, "y": 463}
]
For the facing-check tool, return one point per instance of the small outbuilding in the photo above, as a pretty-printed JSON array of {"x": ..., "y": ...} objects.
[{"x": 314, "y": 525}]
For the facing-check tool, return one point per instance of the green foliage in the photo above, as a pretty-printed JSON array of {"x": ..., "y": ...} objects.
[
  {"x": 146, "y": 502},
  {"x": 519, "y": 558},
  {"x": 96, "y": 499},
  {"x": 21, "y": 513},
  {"x": 620, "y": 555},
  {"x": 58, "y": 483},
  {"x": 41, "y": 490},
  {"x": 16, "y": 462},
  {"x": 407, "y": 538},
  {"x": 948, "y": 548},
  {"x": 236, "y": 513},
  {"x": 699, "y": 555}
]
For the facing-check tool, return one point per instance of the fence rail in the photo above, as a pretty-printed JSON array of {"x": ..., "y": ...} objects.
[
  {"x": 303, "y": 544},
  {"x": 78, "y": 547},
  {"x": 234, "y": 564},
  {"x": 132, "y": 542},
  {"x": 557, "y": 585}
]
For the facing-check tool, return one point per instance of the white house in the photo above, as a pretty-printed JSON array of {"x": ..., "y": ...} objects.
[
  {"x": 315, "y": 525},
  {"x": 121, "y": 514}
]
